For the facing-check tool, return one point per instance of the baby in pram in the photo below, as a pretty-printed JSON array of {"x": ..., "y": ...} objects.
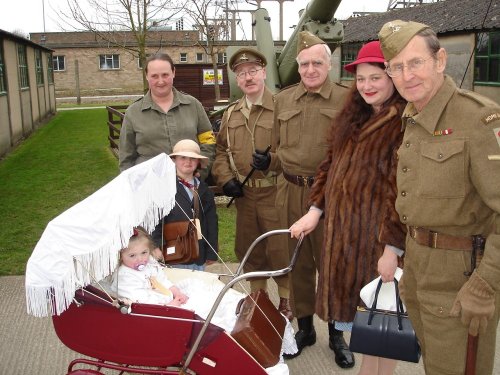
[{"x": 140, "y": 278}]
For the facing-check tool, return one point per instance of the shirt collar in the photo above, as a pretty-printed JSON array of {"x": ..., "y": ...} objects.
[
  {"x": 324, "y": 91},
  {"x": 429, "y": 116}
]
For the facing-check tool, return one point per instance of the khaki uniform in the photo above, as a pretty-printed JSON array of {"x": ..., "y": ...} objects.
[
  {"x": 242, "y": 132},
  {"x": 301, "y": 121},
  {"x": 148, "y": 131},
  {"x": 447, "y": 184}
]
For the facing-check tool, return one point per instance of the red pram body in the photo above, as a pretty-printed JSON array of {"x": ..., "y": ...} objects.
[{"x": 149, "y": 336}]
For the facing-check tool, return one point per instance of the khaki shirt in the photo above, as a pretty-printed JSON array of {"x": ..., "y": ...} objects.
[
  {"x": 447, "y": 183},
  {"x": 148, "y": 131},
  {"x": 302, "y": 120},
  {"x": 245, "y": 135}
]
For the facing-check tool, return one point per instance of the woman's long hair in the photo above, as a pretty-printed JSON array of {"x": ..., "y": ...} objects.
[{"x": 356, "y": 112}]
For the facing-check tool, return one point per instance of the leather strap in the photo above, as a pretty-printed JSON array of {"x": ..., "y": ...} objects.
[
  {"x": 436, "y": 240},
  {"x": 299, "y": 180}
]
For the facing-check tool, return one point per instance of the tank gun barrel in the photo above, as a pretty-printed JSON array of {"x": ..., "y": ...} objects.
[{"x": 318, "y": 19}]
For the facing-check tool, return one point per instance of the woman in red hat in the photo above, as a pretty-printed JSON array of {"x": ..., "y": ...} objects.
[{"x": 355, "y": 191}]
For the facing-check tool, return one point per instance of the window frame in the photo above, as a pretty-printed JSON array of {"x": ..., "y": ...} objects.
[
  {"x": 3, "y": 75},
  {"x": 40, "y": 80},
  {"x": 105, "y": 58},
  {"x": 50, "y": 69},
  {"x": 22, "y": 66},
  {"x": 486, "y": 59},
  {"x": 221, "y": 57},
  {"x": 201, "y": 59},
  {"x": 348, "y": 54},
  {"x": 56, "y": 60},
  {"x": 183, "y": 57}
]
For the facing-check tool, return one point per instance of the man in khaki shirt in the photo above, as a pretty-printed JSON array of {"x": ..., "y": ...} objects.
[
  {"x": 246, "y": 131},
  {"x": 303, "y": 114},
  {"x": 449, "y": 197}
]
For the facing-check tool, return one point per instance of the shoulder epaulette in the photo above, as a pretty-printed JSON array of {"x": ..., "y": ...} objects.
[
  {"x": 478, "y": 98},
  {"x": 342, "y": 85},
  {"x": 284, "y": 89}
]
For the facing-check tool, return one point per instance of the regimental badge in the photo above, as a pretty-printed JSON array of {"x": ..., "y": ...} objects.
[
  {"x": 394, "y": 28},
  {"x": 243, "y": 57},
  {"x": 497, "y": 135}
]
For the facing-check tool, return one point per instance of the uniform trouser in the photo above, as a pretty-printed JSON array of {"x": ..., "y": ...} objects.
[
  {"x": 431, "y": 280},
  {"x": 292, "y": 204},
  {"x": 256, "y": 214}
]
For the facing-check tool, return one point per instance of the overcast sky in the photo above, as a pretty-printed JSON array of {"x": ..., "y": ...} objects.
[{"x": 27, "y": 15}]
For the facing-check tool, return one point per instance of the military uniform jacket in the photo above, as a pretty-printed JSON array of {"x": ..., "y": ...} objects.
[
  {"x": 446, "y": 182},
  {"x": 245, "y": 135},
  {"x": 148, "y": 131},
  {"x": 301, "y": 121}
]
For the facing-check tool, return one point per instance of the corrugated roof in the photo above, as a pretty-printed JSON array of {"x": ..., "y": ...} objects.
[
  {"x": 20, "y": 39},
  {"x": 448, "y": 16}
]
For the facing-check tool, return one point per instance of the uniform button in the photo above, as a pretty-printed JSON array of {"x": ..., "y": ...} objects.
[
  {"x": 405, "y": 218},
  {"x": 440, "y": 156},
  {"x": 403, "y": 193},
  {"x": 440, "y": 309},
  {"x": 405, "y": 169},
  {"x": 407, "y": 144},
  {"x": 411, "y": 121}
]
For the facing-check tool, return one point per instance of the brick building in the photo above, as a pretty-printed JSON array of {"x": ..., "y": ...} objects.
[{"x": 96, "y": 65}]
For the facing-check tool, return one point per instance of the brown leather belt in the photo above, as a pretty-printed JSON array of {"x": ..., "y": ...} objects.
[
  {"x": 299, "y": 180},
  {"x": 437, "y": 240}
]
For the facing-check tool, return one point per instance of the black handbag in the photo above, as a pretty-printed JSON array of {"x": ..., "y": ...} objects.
[{"x": 386, "y": 334}]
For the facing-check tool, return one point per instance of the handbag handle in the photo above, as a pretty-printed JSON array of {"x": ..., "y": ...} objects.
[{"x": 399, "y": 304}]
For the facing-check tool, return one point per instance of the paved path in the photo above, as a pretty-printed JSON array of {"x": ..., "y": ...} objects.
[{"x": 29, "y": 345}]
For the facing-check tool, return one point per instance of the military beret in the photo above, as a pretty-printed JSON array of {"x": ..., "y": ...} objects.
[
  {"x": 395, "y": 35},
  {"x": 306, "y": 40},
  {"x": 246, "y": 55}
]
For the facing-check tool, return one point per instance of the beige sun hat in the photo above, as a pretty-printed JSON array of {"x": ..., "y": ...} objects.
[{"x": 190, "y": 149}]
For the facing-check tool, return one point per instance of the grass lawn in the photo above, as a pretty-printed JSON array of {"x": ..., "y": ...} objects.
[{"x": 56, "y": 167}]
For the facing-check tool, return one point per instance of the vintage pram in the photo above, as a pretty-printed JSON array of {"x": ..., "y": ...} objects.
[{"x": 136, "y": 339}]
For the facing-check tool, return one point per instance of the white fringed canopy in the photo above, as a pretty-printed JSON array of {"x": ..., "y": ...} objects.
[{"x": 82, "y": 244}]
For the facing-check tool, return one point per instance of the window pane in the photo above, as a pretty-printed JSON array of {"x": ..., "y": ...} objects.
[
  {"x": 495, "y": 43},
  {"x": 481, "y": 70},
  {"x": 482, "y": 44},
  {"x": 494, "y": 71}
]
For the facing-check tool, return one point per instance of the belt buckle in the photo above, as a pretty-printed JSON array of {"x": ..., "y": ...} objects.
[
  {"x": 433, "y": 239},
  {"x": 303, "y": 180}
]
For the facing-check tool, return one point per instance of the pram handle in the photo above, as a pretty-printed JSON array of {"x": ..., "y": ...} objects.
[{"x": 239, "y": 277}]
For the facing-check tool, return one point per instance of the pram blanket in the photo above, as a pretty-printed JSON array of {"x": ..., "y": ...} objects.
[{"x": 83, "y": 243}]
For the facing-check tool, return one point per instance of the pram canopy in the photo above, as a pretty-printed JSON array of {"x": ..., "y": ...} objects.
[{"x": 82, "y": 244}]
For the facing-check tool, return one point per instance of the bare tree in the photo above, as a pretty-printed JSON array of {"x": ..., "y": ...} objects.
[
  {"x": 209, "y": 18},
  {"x": 126, "y": 24}
]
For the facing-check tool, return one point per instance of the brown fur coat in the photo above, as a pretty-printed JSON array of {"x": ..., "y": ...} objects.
[{"x": 356, "y": 187}]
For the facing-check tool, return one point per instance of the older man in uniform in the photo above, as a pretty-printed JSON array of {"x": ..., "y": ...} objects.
[
  {"x": 302, "y": 116},
  {"x": 449, "y": 197},
  {"x": 245, "y": 133}
]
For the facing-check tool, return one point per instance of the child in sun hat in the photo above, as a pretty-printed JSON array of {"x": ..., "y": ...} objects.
[{"x": 194, "y": 200}]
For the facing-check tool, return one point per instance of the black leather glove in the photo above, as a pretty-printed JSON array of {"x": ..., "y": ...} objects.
[
  {"x": 233, "y": 189},
  {"x": 261, "y": 160}
]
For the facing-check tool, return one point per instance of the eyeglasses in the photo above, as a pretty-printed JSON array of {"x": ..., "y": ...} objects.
[
  {"x": 251, "y": 73},
  {"x": 412, "y": 66}
]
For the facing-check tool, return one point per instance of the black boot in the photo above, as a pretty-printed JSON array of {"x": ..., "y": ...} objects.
[
  {"x": 305, "y": 336},
  {"x": 343, "y": 356}
]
